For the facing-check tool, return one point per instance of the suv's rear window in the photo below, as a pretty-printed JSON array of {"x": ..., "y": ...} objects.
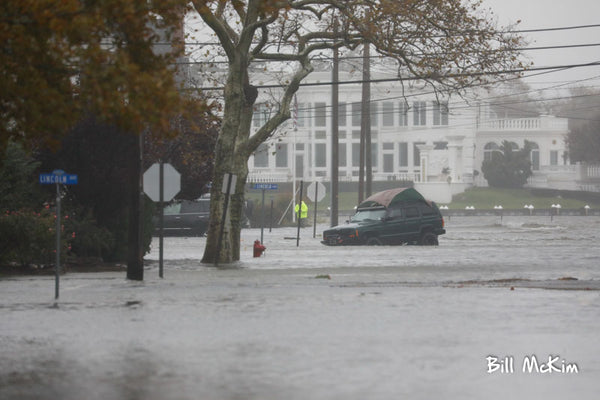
[{"x": 426, "y": 209}]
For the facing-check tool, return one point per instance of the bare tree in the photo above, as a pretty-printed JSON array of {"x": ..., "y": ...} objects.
[{"x": 450, "y": 44}]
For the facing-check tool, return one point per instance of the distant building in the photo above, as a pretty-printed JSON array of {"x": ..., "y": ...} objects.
[{"x": 439, "y": 144}]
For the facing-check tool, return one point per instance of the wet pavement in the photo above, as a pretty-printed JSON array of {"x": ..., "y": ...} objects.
[{"x": 318, "y": 322}]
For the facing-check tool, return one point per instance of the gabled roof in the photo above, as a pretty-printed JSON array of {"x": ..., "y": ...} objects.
[{"x": 391, "y": 196}]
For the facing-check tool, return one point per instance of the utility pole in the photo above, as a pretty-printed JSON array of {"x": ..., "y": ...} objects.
[
  {"x": 135, "y": 258},
  {"x": 367, "y": 117},
  {"x": 365, "y": 129},
  {"x": 335, "y": 74}
]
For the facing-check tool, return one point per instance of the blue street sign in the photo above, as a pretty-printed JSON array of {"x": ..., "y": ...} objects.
[
  {"x": 266, "y": 186},
  {"x": 58, "y": 176}
]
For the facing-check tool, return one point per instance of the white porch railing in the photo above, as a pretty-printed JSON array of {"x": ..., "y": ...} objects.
[
  {"x": 592, "y": 171},
  {"x": 518, "y": 124},
  {"x": 525, "y": 124},
  {"x": 398, "y": 176},
  {"x": 268, "y": 177}
]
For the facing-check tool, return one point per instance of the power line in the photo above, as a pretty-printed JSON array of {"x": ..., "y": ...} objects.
[
  {"x": 563, "y": 28},
  {"x": 414, "y": 78},
  {"x": 380, "y": 57},
  {"x": 551, "y": 29}
]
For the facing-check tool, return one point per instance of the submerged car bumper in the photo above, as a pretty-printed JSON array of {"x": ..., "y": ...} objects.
[{"x": 340, "y": 238}]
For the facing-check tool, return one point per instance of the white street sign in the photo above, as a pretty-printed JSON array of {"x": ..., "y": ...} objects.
[
  {"x": 316, "y": 195},
  {"x": 171, "y": 182},
  {"x": 226, "y": 178}
]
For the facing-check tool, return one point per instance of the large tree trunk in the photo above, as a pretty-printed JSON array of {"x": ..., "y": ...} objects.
[
  {"x": 234, "y": 148},
  {"x": 231, "y": 156}
]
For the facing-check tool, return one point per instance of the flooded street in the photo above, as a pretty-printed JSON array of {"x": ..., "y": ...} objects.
[{"x": 318, "y": 322}]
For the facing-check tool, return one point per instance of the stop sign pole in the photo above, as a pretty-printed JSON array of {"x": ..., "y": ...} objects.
[
  {"x": 166, "y": 191},
  {"x": 161, "y": 221}
]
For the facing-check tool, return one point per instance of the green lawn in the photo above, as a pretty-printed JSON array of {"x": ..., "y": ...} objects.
[{"x": 480, "y": 198}]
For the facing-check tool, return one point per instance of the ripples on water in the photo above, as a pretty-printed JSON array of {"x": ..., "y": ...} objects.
[
  {"x": 473, "y": 248},
  {"x": 391, "y": 322}
]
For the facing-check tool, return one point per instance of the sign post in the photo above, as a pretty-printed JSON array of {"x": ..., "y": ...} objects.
[
  {"x": 58, "y": 177},
  {"x": 263, "y": 187},
  {"x": 161, "y": 183},
  {"x": 315, "y": 192},
  {"x": 299, "y": 214}
]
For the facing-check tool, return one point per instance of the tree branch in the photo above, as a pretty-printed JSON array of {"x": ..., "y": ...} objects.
[
  {"x": 217, "y": 25},
  {"x": 283, "y": 113}
]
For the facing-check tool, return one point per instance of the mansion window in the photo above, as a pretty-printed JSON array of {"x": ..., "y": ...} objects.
[
  {"x": 303, "y": 113},
  {"x": 261, "y": 115},
  {"x": 373, "y": 112},
  {"x": 535, "y": 156},
  {"x": 440, "y": 113},
  {"x": 403, "y": 114},
  {"x": 342, "y": 155},
  {"x": 403, "y": 154},
  {"x": 320, "y": 134},
  {"x": 320, "y": 155},
  {"x": 281, "y": 156},
  {"x": 356, "y": 114},
  {"x": 355, "y": 154},
  {"x": 553, "y": 157},
  {"x": 320, "y": 114},
  {"x": 261, "y": 156},
  {"x": 419, "y": 113},
  {"x": 489, "y": 149},
  {"x": 388, "y": 113},
  {"x": 342, "y": 114}
]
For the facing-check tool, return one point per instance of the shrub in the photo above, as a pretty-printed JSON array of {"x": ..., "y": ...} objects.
[
  {"x": 88, "y": 239},
  {"x": 29, "y": 237},
  {"x": 508, "y": 168}
]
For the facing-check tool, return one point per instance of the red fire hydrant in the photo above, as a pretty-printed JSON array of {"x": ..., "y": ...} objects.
[{"x": 258, "y": 248}]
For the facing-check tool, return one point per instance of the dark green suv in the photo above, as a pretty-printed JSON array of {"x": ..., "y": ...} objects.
[{"x": 395, "y": 216}]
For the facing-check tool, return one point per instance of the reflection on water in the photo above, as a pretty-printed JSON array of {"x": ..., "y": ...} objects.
[{"x": 514, "y": 247}]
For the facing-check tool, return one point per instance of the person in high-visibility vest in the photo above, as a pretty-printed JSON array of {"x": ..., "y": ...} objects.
[{"x": 303, "y": 214}]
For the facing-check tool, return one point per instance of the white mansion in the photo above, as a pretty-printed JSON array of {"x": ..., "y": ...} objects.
[{"x": 437, "y": 144}]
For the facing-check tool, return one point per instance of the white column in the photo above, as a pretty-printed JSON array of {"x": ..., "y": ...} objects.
[{"x": 455, "y": 145}]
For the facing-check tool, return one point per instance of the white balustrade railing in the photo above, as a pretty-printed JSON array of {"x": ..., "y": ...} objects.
[
  {"x": 397, "y": 176},
  {"x": 525, "y": 124},
  {"x": 518, "y": 124},
  {"x": 268, "y": 177},
  {"x": 592, "y": 171}
]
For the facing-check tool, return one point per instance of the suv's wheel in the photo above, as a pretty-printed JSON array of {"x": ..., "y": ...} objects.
[
  {"x": 429, "y": 239},
  {"x": 374, "y": 241}
]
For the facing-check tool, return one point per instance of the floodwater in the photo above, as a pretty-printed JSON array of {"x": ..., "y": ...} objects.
[{"x": 317, "y": 322}]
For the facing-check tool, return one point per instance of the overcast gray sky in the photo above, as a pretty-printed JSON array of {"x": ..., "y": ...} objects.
[{"x": 543, "y": 14}]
